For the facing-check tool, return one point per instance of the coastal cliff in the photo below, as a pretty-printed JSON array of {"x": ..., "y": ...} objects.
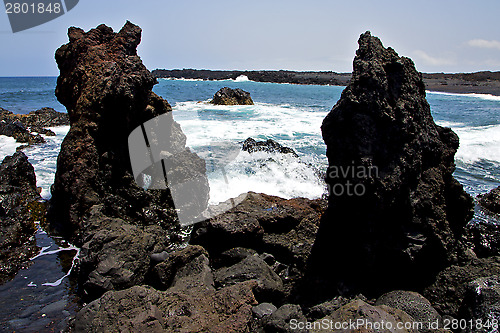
[{"x": 480, "y": 82}]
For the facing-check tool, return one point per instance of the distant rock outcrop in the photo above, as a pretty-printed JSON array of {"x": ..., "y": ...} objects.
[
  {"x": 96, "y": 200},
  {"x": 18, "y": 200},
  {"x": 251, "y": 145},
  {"x": 10, "y": 125},
  {"x": 23, "y": 126},
  {"x": 44, "y": 117},
  {"x": 228, "y": 96},
  {"x": 395, "y": 212}
]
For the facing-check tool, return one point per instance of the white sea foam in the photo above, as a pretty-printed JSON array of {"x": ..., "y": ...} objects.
[
  {"x": 241, "y": 78},
  {"x": 487, "y": 97},
  {"x": 276, "y": 174},
  {"x": 479, "y": 143},
  {"x": 8, "y": 146},
  {"x": 291, "y": 126},
  {"x": 44, "y": 159}
]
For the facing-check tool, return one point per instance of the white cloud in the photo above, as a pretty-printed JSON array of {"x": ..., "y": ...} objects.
[
  {"x": 433, "y": 61},
  {"x": 484, "y": 44}
]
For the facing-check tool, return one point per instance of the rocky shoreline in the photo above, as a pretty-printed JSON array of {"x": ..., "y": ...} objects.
[
  {"x": 462, "y": 83},
  {"x": 390, "y": 244}
]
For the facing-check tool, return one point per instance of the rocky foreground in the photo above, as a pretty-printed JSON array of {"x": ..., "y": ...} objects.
[{"x": 390, "y": 245}]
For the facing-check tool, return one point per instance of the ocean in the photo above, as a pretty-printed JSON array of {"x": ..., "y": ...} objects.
[{"x": 289, "y": 114}]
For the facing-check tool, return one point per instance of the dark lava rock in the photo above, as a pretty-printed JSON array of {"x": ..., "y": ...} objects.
[
  {"x": 228, "y": 96},
  {"x": 263, "y": 309},
  {"x": 143, "y": 309},
  {"x": 484, "y": 238},
  {"x": 395, "y": 211},
  {"x": 19, "y": 198},
  {"x": 491, "y": 200},
  {"x": 21, "y": 127},
  {"x": 108, "y": 93},
  {"x": 270, "y": 146},
  {"x": 447, "y": 293},
  {"x": 233, "y": 256},
  {"x": 282, "y": 229},
  {"x": 482, "y": 304},
  {"x": 18, "y": 131},
  {"x": 167, "y": 269},
  {"x": 96, "y": 200},
  {"x": 270, "y": 285},
  {"x": 44, "y": 117},
  {"x": 326, "y": 308},
  {"x": 279, "y": 320},
  {"x": 414, "y": 304},
  {"x": 358, "y": 311},
  {"x": 115, "y": 254}
]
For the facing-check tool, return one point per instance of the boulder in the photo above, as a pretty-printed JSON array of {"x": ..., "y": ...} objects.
[
  {"x": 173, "y": 262},
  {"x": 415, "y": 305},
  {"x": 481, "y": 305},
  {"x": 324, "y": 309},
  {"x": 19, "y": 201},
  {"x": 396, "y": 213},
  {"x": 279, "y": 320},
  {"x": 228, "y": 96},
  {"x": 115, "y": 255},
  {"x": 491, "y": 200},
  {"x": 484, "y": 238},
  {"x": 263, "y": 309},
  {"x": 365, "y": 318},
  {"x": 448, "y": 291},
  {"x": 284, "y": 229},
  {"x": 143, "y": 309},
  {"x": 270, "y": 285},
  {"x": 270, "y": 146}
]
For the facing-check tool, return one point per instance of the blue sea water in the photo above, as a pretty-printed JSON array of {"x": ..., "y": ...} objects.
[{"x": 289, "y": 114}]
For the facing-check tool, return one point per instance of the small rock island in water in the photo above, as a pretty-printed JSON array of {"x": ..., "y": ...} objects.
[{"x": 228, "y": 96}]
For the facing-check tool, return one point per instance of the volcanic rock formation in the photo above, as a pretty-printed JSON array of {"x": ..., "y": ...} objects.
[
  {"x": 228, "y": 96},
  {"x": 395, "y": 211},
  {"x": 19, "y": 198},
  {"x": 117, "y": 217}
]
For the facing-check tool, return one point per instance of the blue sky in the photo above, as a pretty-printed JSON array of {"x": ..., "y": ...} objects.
[{"x": 439, "y": 35}]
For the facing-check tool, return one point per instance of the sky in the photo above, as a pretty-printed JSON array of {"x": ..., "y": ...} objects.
[{"x": 439, "y": 35}]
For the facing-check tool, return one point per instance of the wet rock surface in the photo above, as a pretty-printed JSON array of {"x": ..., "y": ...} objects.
[
  {"x": 482, "y": 304},
  {"x": 19, "y": 199},
  {"x": 228, "y": 96},
  {"x": 27, "y": 128},
  {"x": 447, "y": 292},
  {"x": 491, "y": 201},
  {"x": 251, "y": 145},
  {"x": 396, "y": 213}
]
